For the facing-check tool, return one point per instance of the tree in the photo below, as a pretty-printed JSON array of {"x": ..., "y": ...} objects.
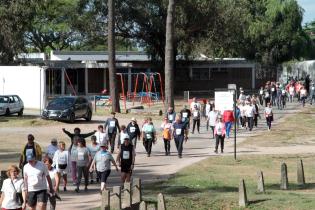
[
  {"x": 169, "y": 55},
  {"x": 111, "y": 57}
]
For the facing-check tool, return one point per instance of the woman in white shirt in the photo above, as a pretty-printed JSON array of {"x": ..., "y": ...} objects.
[
  {"x": 62, "y": 163},
  {"x": 268, "y": 115},
  {"x": 12, "y": 188},
  {"x": 53, "y": 174}
]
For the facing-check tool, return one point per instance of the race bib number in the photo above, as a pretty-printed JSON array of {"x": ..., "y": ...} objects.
[
  {"x": 185, "y": 115},
  {"x": 170, "y": 117},
  {"x": 178, "y": 131},
  {"x": 149, "y": 136},
  {"x": 29, "y": 152},
  {"x": 283, "y": 91},
  {"x": 132, "y": 129},
  {"x": 272, "y": 89},
  {"x": 81, "y": 156},
  {"x": 195, "y": 114},
  {"x": 126, "y": 155},
  {"x": 112, "y": 124},
  {"x": 267, "y": 95},
  {"x": 261, "y": 92}
]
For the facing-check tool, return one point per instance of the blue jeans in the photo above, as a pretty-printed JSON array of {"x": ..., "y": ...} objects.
[{"x": 228, "y": 126}]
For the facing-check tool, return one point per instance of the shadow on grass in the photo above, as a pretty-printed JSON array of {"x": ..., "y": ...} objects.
[
  {"x": 292, "y": 186},
  {"x": 258, "y": 201}
]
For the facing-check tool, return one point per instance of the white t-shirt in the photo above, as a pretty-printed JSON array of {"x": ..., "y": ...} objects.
[
  {"x": 249, "y": 111},
  {"x": 52, "y": 174},
  {"x": 51, "y": 149},
  {"x": 123, "y": 135},
  {"x": 291, "y": 90},
  {"x": 61, "y": 157},
  {"x": 100, "y": 137},
  {"x": 36, "y": 176},
  {"x": 303, "y": 92},
  {"x": 9, "y": 193},
  {"x": 212, "y": 118},
  {"x": 192, "y": 105}
]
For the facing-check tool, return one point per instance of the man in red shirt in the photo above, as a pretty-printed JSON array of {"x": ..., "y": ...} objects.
[{"x": 228, "y": 119}]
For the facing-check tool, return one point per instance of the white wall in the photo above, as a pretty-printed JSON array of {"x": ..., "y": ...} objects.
[{"x": 25, "y": 81}]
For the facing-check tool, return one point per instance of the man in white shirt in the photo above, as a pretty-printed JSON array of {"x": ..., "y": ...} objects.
[
  {"x": 101, "y": 136},
  {"x": 250, "y": 113},
  {"x": 35, "y": 176},
  {"x": 195, "y": 103}
]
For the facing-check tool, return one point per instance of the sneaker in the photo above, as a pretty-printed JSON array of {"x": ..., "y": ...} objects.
[
  {"x": 64, "y": 189},
  {"x": 179, "y": 156}
]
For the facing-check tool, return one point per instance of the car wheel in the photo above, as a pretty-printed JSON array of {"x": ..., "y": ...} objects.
[
  {"x": 7, "y": 112},
  {"x": 20, "y": 113},
  {"x": 72, "y": 118},
  {"x": 88, "y": 116}
]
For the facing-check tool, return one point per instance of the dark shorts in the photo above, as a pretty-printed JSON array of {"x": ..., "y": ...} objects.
[
  {"x": 103, "y": 175},
  {"x": 126, "y": 168},
  {"x": 37, "y": 196}
]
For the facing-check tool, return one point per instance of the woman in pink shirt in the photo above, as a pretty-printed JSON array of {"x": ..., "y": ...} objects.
[{"x": 219, "y": 132}]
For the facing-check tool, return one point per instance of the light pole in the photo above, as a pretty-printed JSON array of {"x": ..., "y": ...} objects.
[{"x": 232, "y": 88}]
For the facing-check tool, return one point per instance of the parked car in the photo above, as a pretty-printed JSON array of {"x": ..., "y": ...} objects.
[
  {"x": 68, "y": 108},
  {"x": 11, "y": 104}
]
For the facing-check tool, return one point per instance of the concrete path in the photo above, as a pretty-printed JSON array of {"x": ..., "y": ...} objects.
[{"x": 159, "y": 167}]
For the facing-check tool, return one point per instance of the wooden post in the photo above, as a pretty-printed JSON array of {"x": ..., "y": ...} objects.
[
  {"x": 284, "y": 177},
  {"x": 300, "y": 173},
  {"x": 115, "y": 202},
  {"x": 127, "y": 195},
  {"x": 143, "y": 206},
  {"x": 105, "y": 200},
  {"x": 136, "y": 191},
  {"x": 260, "y": 182},
  {"x": 242, "y": 198},
  {"x": 161, "y": 202}
]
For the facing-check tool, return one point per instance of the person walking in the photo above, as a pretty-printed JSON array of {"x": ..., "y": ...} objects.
[
  {"x": 13, "y": 195},
  {"x": 101, "y": 136},
  {"x": 61, "y": 162},
  {"x": 303, "y": 95},
  {"x": 180, "y": 134},
  {"x": 122, "y": 134},
  {"x": 53, "y": 174},
  {"x": 73, "y": 152},
  {"x": 196, "y": 119},
  {"x": 267, "y": 95},
  {"x": 167, "y": 135},
  {"x": 149, "y": 136},
  {"x": 83, "y": 160},
  {"x": 126, "y": 160},
  {"x": 268, "y": 115},
  {"x": 194, "y": 103},
  {"x": 133, "y": 131},
  {"x": 36, "y": 179},
  {"x": 113, "y": 125},
  {"x": 52, "y": 148},
  {"x": 291, "y": 92},
  {"x": 30, "y": 148},
  {"x": 228, "y": 119},
  {"x": 250, "y": 113},
  {"x": 256, "y": 113},
  {"x": 94, "y": 147},
  {"x": 185, "y": 115},
  {"x": 212, "y": 118},
  {"x": 171, "y": 114},
  {"x": 312, "y": 93},
  {"x": 102, "y": 163},
  {"x": 219, "y": 132},
  {"x": 261, "y": 96}
]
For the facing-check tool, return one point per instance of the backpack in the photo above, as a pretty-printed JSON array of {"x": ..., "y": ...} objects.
[{"x": 166, "y": 133}]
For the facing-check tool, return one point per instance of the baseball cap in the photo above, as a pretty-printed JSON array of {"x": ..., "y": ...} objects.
[{"x": 30, "y": 157}]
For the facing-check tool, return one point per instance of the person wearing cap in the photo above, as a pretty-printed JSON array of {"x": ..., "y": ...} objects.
[
  {"x": 113, "y": 125},
  {"x": 52, "y": 148},
  {"x": 61, "y": 161},
  {"x": 170, "y": 114},
  {"x": 166, "y": 128},
  {"x": 30, "y": 148},
  {"x": 94, "y": 147},
  {"x": 83, "y": 160},
  {"x": 196, "y": 119},
  {"x": 36, "y": 181},
  {"x": 126, "y": 159},
  {"x": 133, "y": 131},
  {"x": 219, "y": 132},
  {"x": 149, "y": 136},
  {"x": 101, "y": 136},
  {"x": 180, "y": 134},
  {"x": 185, "y": 115}
]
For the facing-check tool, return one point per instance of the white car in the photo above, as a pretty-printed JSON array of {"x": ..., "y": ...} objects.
[{"x": 10, "y": 104}]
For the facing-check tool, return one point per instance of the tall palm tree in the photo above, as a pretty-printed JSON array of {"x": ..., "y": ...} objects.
[
  {"x": 169, "y": 55},
  {"x": 111, "y": 57}
]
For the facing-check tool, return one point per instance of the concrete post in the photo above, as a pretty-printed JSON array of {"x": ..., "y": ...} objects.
[
  {"x": 115, "y": 202},
  {"x": 136, "y": 191},
  {"x": 127, "y": 195},
  {"x": 105, "y": 200},
  {"x": 143, "y": 206},
  {"x": 260, "y": 182},
  {"x": 161, "y": 202},
  {"x": 284, "y": 177},
  {"x": 300, "y": 173},
  {"x": 242, "y": 198}
]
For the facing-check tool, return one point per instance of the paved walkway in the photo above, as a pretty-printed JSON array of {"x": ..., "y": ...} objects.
[{"x": 158, "y": 166}]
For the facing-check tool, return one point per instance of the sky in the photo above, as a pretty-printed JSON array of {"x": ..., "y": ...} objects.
[{"x": 309, "y": 7}]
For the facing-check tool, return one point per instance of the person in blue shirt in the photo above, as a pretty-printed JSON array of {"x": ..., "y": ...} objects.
[{"x": 180, "y": 134}]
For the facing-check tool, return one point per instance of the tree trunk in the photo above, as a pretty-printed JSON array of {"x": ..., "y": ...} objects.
[
  {"x": 169, "y": 55},
  {"x": 111, "y": 57}
]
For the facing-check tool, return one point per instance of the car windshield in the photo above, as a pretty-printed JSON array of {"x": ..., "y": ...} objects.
[
  {"x": 62, "y": 102},
  {"x": 4, "y": 100}
]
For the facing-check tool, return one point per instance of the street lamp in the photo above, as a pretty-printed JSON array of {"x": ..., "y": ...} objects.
[{"x": 232, "y": 88}]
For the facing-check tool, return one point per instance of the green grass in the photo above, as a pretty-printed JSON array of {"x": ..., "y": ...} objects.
[
  {"x": 213, "y": 184},
  {"x": 10, "y": 121}
]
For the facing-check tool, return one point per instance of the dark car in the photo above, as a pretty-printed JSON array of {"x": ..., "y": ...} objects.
[{"x": 68, "y": 108}]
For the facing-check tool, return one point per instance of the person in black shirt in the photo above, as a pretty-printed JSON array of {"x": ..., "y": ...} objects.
[
  {"x": 133, "y": 131},
  {"x": 126, "y": 159},
  {"x": 113, "y": 125},
  {"x": 185, "y": 114},
  {"x": 180, "y": 134},
  {"x": 77, "y": 132}
]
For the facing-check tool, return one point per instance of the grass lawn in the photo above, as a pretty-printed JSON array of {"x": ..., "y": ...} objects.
[
  {"x": 296, "y": 129},
  {"x": 213, "y": 184},
  {"x": 13, "y": 120}
]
